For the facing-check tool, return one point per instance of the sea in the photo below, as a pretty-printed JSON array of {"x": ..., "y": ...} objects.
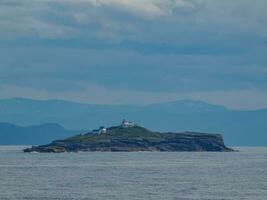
[{"x": 133, "y": 176}]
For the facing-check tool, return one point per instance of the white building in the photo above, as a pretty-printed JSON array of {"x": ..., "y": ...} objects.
[
  {"x": 101, "y": 130},
  {"x": 127, "y": 124}
]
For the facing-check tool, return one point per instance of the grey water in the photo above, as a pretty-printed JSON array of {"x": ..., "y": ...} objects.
[{"x": 127, "y": 176}]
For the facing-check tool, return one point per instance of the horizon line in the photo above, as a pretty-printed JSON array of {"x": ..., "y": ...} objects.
[{"x": 136, "y": 105}]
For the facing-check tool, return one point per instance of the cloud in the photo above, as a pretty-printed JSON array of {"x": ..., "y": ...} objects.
[
  {"x": 147, "y": 9},
  {"x": 134, "y": 20},
  {"x": 147, "y": 46}
]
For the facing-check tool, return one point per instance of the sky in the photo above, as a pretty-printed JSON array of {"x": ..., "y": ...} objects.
[{"x": 135, "y": 51}]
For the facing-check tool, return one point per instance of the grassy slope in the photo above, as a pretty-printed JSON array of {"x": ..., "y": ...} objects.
[{"x": 114, "y": 133}]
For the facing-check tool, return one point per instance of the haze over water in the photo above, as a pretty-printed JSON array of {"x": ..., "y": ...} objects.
[{"x": 141, "y": 175}]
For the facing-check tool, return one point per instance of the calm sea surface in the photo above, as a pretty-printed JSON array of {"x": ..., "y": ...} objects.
[{"x": 126, "y": 176}]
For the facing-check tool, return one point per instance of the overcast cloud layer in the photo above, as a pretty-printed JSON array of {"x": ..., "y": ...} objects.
[{"x": 135, "y": 51}]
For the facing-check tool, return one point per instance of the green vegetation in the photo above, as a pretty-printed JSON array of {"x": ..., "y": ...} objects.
[
  {"x": 116, "y": 133},
  {"x": 135, "y": 139}
]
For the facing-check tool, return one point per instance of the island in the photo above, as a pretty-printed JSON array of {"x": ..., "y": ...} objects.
[{"x": 129, "y": 137}]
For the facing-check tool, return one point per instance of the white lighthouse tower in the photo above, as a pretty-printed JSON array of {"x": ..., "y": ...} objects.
[{"x": 127, "y": 124}]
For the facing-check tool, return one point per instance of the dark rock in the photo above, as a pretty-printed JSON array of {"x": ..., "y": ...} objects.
[{"x": 136, "y": 138}]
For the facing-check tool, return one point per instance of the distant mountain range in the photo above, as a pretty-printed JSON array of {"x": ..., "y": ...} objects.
[
  {"x": 37, "y": 134},
  {"x": 238, "y": 127}
]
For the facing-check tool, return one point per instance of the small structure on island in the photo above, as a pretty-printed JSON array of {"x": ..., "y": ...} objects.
[
  {"x": 124, "y": 124},
  {"x": 101, "y": 130},
  {"x": 127, "y": 124}
]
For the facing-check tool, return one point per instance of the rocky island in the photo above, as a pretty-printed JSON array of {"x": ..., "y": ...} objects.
[{"x": 130, "y": 137}]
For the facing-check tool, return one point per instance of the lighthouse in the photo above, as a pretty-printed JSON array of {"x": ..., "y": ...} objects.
[{"x": 127, "y": 124}]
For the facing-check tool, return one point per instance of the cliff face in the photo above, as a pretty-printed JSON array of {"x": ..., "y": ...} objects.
[{"x": 136, "y": 139}]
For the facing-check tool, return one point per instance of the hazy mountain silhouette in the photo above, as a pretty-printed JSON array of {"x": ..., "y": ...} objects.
[
  {"x": 238, "y": 127},
  {"x": 37, "y": 134}
]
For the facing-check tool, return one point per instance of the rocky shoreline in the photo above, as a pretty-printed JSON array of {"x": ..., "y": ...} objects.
[{"x": 133, "y": 139}]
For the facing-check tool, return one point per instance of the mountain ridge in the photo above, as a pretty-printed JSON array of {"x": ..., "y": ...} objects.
[
  {"x": 242, "y": 128},
  {"x": 11, "y": 134}
]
